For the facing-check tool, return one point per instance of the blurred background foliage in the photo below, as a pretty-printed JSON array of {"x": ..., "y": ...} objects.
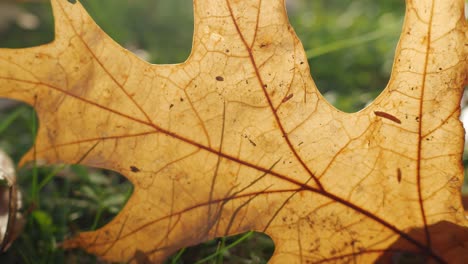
[
  {"x": 350, "y": 47},
  {"x": 349, "y": 44}
]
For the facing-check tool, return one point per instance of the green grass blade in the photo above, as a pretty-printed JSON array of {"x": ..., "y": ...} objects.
[
  {"x": 346, "y": 43},
  {"x": 49, "y": 177},
  {"x": 97, "y": 217},
  {"x": 35, "y": 173},
  {"x": 4, "y": 124},
  {"x": 221, "y": 251},
  {"x": 177, "y": 257}
]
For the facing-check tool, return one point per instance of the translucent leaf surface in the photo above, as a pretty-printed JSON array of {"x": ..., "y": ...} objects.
[{"x": 238, "y": 137}]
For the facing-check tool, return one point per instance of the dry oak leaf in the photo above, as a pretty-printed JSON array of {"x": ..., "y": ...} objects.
[{"x": 238, "y": 137}]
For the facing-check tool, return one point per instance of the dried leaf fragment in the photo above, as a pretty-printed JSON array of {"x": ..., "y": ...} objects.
[{"x": 11, "y": 222}]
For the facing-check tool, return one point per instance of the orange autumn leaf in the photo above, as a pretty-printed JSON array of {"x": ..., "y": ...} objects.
[{"x": 238, "y": 137}]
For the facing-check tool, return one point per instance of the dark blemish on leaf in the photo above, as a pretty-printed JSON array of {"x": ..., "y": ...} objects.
[
  {"x": 265, "y": 86},
  {"x": 253, "y": 143},
  {"x": 134, "y": 169},
  {"x": 219, "y": 78},
  {"x": 417, "y": 119},
  {"x": 300, "y": 144},
  {"x": 302, "y": 62},
  {"x": 287, "y": 98},
  {"x": 387, "y": 116},
  {"x": 181, "y": 99},
  {"x": 72, "y": 1},
  {"x": 227, "y": 51},
  {"x": 141, "y": 257},
  {"x": 172, "y": 105},
  {"x": 399, "y": 175}
]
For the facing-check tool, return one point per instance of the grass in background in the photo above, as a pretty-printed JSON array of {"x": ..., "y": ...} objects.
[{"x": 59, "y": 201}]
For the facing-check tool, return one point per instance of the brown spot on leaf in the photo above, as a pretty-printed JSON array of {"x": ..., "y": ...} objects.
[
  {"x": 387, "y": 116},
  {"x": 219, "y": 78},
  {"x": 287, "y": 98},
  {"x": 264, "y": 44},
  {"x": 141, "y": 257},
  {"x": 134, "y": 169}
]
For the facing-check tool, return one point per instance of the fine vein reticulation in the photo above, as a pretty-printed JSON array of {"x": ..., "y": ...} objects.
[{"x": 238, "y": 137}]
